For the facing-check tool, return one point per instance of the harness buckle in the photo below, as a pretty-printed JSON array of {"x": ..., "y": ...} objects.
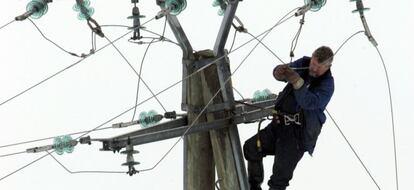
[{"x": 292, "y": 119}]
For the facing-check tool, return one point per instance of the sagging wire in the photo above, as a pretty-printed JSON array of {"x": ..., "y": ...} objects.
[
  {"x": 139, "y": 79},
  {"x": 392, "y": 114},
  {"x": 79, "y": 172},
  {"x": 139, "y": 76},
  {"x": 296, "y": 39},
  {"x": 352, "y": 148},
  {"x": 54, "y": 43},
  {"x": 7, "y": 24},
  {"x": 64, "y": 69}
]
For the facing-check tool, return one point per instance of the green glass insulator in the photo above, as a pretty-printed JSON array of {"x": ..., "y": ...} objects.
[
  {"x": 262, "y": 95},
  {"x": 57, "y": 144},
  {"x": 89, "y": 10},
  {"x": 216, "y": 3},
  {"x": 85, "y": 3},
  {"x": 259, "y": 96},
  {"x": 38, "y": 7},
  {"x": 142, "y": 119},
  {"x": 151, "y": 117},
  {"x": 316, "y": 5},
  {"x": 267, "y": 93},
  {"x": 67, "y": 146},
  {"x": 177, "y": 6},
  {"x": 221, "y": 12},
  {"x": 82, "y": 16}
]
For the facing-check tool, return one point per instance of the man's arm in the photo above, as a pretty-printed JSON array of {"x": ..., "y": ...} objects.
[{"x": 317, "y": 98}]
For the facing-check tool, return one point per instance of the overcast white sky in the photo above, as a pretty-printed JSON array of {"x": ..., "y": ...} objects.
[{"x": 103, "y": 86}]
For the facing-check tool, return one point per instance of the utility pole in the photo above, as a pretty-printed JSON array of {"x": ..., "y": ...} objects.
[{"x": 212, "y": 140}]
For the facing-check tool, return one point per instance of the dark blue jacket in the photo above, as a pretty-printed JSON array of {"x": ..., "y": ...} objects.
[{"x": 312, "y": 98}]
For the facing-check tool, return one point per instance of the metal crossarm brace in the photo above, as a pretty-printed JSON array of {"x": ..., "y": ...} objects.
[{"x": 176, "y": 128}]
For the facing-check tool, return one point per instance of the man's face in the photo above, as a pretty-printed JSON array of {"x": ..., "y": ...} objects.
[{"x": 316, "y": 69}]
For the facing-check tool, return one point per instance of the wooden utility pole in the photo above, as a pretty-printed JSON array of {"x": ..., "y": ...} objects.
[{"x": 221, "y": 144}]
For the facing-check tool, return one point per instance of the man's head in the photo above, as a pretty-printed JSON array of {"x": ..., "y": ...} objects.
[{"x": 321, "y": 61}]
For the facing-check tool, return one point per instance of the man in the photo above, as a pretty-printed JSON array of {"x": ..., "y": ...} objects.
[{"x": 297, "y": 120}]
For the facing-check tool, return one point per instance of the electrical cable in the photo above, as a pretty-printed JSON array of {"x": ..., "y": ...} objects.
[
  {"x": 264, "y": 45},
  {"x": 139, "y": 76},
  {"x": 21, "y": 168},
  {"x": 352, "y": 148},
  {"x": 64, "y": 69},
  {"x": 94, "y": 129},
  {"x": 79, "y": 172},
  {"x": 392, "y": 115},
  {"x": 7, "y": 24},
  {"x": 165, "y": 27},
  {"x": 238, "y": 93},
  {"x": 234, "y": 39},
  {"x": 54, "y": 43},
  {"x": 139, "y": 79},
  {"x": 12, "y": 154},
  {"x": 296, "y": 38},
  {"x": 162, "y": 37},
  {"x": 48, "y": 138},
  {"x": 346, "y": 41},
  {"x": 55, "y": 74}
]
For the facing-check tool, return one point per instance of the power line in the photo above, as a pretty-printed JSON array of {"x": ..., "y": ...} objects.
[
  {"x": 139, "y": 79},
  {"x": 64, "y": 69},
  {"x": 55, "y": 74},
  {"x": 392, "y": 116},
  {"x": 94, "y": 129},
  {"x": 238, "y": 93},
  {"x": 346, "y": 41},
  {"x": 48, "y": 138},
  {"x": 54, "y": 43},
  {"x": 139, "y": 76},
  {"x": 234, "y": 39},
  {"x": 21, "y": 168},
  {"x": 79, "y": 172},
  {"x": 296, "y": 38},
  {"x": 264, "y": 45},
  {"x": 162, "y": 37},
  {"x": 12, "y": 154},
  {"x": 7, "y": 24},
  {"x": 353, "y": 150}
]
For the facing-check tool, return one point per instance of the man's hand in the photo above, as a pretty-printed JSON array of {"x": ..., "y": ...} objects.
[{"x": 283, "y": 72}]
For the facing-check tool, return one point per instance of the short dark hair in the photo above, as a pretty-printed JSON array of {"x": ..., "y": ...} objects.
[{"x": 323, "y": 55}]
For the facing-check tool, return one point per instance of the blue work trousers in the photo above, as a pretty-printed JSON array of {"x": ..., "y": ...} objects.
[{"x": 281, "y": 141}]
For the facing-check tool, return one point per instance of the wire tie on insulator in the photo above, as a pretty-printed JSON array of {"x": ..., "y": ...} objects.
[{"x": 96, "y": 29}]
